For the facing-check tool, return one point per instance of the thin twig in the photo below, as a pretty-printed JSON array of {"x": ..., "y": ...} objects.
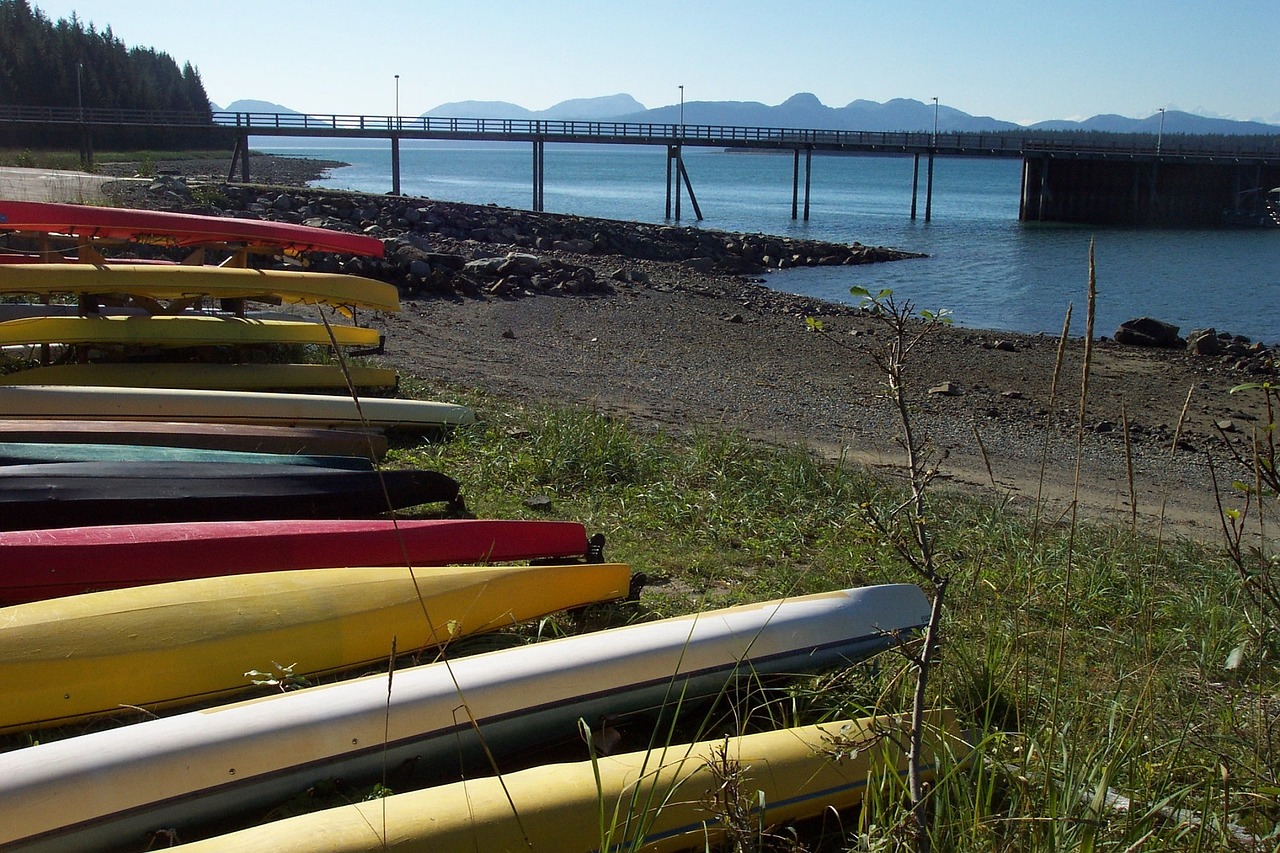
[
  {"x": 1048, "y": 423},
  {"x": 986, "y": 460},
  {"x": 1090, "y": 310},
  {"x": 1128, "y": 464}
]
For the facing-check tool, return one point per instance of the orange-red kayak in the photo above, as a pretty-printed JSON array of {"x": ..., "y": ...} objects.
[
  {"x": 178, "y": 229},
  {"x": 40, "y": 564}
]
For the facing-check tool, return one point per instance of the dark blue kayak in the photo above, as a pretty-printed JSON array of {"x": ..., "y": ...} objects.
[{"x": 78, "y": 494}]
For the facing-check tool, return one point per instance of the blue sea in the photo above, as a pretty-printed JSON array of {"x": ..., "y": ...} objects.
[{"x": 984, "y": 266}]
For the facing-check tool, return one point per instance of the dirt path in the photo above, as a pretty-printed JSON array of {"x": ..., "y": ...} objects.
[{"x": 683, "y": 361}]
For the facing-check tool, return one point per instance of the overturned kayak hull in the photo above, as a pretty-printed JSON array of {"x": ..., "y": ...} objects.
[
  {"x": 77, "y": 494},
  {"x": 211, "y": 376},
  {"x": 180, "y": 331},
  {"x": 40, "y": 564},
  {"x": 38, "y": 453},
  {"x": 248, "y": 438},
  {"x": 659, "y": 800},
  {"x": 246, "y": 407},
  {"x": 191, "y": 641},
  {"x": 188, "y": 283},
  {"x": 111, "y": 788},
  {"x": 178, "y": 229}
]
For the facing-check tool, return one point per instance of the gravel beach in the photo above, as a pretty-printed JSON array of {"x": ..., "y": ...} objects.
[{"x": 672, "y": 347}]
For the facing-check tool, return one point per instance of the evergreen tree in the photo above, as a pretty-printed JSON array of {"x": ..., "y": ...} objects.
[{"x": 65, "y": 64}]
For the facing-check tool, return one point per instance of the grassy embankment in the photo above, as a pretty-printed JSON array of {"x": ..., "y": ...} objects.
[
  {"x": 71, "y": 159},
  {"x": 1120, "y": 684}
]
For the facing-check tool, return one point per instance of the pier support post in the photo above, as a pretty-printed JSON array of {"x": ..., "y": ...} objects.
[
  {"x": 688, "y": 185},
  {"x": 670, "y": 157},
  {"x": 795, "y": 183},
  {"x": 539, "y": 174},
  {"x": 915, "y": 184},
  {"x": 681, "y": 174},
  {"x": 1023, "y": 186},
  {"x": 395, "y": 164},
  {"x": 808, "y": 170},
  {"x": 240, "y": 153},
  {"x": 679, "y": 169},
  {"x": 928, "y": 190},
  {"x": 1044, "y": 188}
]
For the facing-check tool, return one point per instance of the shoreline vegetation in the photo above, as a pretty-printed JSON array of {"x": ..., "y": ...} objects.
[{"x": 1102, "y": 640}]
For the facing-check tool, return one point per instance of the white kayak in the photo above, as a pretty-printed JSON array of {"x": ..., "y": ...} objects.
[{"x": 110, "y": 789}]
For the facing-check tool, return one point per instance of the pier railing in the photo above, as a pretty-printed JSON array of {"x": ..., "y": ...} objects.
[{"x": 1002, "y": 144}]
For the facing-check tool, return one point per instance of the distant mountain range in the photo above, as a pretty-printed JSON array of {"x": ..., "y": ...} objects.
[{"x": 806, "y": 111}]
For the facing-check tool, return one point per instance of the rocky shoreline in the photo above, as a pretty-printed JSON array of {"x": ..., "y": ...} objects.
[
  {"x": 673, "y": 326},
  {"x": 437, "y": 248}
]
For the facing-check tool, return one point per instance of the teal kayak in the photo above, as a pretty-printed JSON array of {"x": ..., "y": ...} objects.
[{"x": 39, "y": 453}]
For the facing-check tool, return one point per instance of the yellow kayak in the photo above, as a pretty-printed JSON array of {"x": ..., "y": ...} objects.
[
  {"x": 225, "y": 377},
  {"x": 178, "y": 281},
  {"x": 178, "y": 331},
  {"x": 181, "y": 642},
  {"x": 653, "y": 801},
  {"x": 112, "y": 402}
]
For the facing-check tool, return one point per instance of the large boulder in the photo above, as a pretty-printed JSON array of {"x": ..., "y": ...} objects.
[
  {"x": 1205, "y": 342},
  {"x": 1147, "y": 332}
]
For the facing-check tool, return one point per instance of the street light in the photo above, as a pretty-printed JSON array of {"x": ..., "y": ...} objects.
[
  {"x": 397, "y": 99},
  {"x": 682, "y": 109},
  {"x": 935, "y": 122},
  {"x": 79, "y": 96},
  {"x": 1160, "y": 137}
]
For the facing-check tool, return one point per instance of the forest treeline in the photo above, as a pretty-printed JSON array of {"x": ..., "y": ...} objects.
[{"x": 63, "y": 63}]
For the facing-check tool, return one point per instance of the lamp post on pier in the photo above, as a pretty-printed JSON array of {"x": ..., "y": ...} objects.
[
  {"x": 935, "y": 122},
  {"x": 682, "y": 111},
  {"x": 1160, "y": 135},
  {"x": 397, "y": 100}
]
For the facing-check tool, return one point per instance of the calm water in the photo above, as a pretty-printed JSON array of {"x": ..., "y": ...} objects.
[{"x": 984, "y": 266}]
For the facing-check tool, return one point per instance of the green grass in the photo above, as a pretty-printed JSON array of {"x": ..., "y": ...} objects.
[
  {"x": 1143, "y": 703},
  {"x": 70, "y": 159}
]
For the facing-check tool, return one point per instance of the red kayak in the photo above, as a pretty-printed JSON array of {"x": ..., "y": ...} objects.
[
  {"x": 40, "y": 564},
  {"x": 178, "y": 229}
]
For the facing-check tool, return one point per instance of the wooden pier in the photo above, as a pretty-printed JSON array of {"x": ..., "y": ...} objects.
[{"x": 1130, "y": 180}]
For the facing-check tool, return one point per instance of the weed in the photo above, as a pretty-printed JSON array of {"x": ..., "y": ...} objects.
[
  {"x": 1142, "y": 700},
  {"x": 280, "y": 676}
]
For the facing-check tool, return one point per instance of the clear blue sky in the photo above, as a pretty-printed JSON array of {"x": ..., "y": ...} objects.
[{"x": 1018, "y": 60}]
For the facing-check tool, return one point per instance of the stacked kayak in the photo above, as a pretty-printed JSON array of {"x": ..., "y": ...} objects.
[
  {"x": 179, "y": 282},
  {"x": 130, "y": 316},
  {"x": 247, "y": 438},
  {"x": 37, "y": 452},
  {"x": 235, "y": 407},
  {"x": 69, "y": 494},
  {"x": 177, "y": 533},
  {"x": 39, "y": 564},
  {"x": 125, "y": 312},
  {"x": 88, "y": 223},
  {"x": 189, "y": 641},
  {"x": 109, "y": 789},
  {"x": 656, "y": 800},
  {"x": 214, "y": 376}
]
